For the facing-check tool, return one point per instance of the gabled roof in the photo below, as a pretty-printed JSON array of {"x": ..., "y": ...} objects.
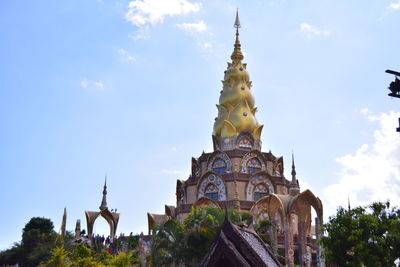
[{"x": 239, "y": 246}]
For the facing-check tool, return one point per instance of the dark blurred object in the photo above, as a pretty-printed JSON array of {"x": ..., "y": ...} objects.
[{"x": 394, "y": 88}]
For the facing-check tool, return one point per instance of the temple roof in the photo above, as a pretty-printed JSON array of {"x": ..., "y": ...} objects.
[{"x": 238, "y": 246}]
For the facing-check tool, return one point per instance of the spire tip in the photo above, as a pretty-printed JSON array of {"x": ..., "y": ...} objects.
[{"x": 237, "y": 21}]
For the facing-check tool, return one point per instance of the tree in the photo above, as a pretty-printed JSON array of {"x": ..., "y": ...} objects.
[
  {"x": 38, "y": 238},
  {"x": 363, "y": 236}
]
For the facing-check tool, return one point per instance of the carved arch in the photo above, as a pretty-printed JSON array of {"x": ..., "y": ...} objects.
[
  {"x": 250, "y": 155},
  {"x": 206, "y": 201},
  {"x": 302, "y": 204},
  {"x": 214, "y": 179},
  {"x": 216, "y": 155},
  {"x": 267, "y": 207},
  {"x": 111, "y": 218},
  {"x": 258, "y": 178}
]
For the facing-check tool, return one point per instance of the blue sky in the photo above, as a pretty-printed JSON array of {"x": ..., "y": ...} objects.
[{"x": 129, "y": 89}]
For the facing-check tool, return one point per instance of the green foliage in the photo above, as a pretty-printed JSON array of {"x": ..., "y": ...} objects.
[
  {"x": 167, "y": 244},
  {"x": 41, "y": 246},
  {"x": 12, "y": 255},
  {"x": 58, "y": 259},
  {"x": 38, "y": 239},
  {"x": 124, "y": 260},
  {"x": 133, "y": 242},
  {"x": 82, "y": 256},
  {"x": 368, "y": 236}
]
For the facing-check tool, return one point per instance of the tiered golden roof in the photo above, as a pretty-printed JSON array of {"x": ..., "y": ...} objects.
[{"x": 236, "y": 111}]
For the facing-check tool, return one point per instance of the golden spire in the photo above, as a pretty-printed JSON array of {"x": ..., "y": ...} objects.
[{"x": 236, "y": 111}]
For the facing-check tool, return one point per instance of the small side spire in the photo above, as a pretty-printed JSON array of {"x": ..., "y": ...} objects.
[
  {"x": 294, "y": 188},
  {"x": 293, "y": 169},
  {"x": 237, "y": 54},
  {"x": 348, "y": 203},
  {"x": 103, "y": 204}
]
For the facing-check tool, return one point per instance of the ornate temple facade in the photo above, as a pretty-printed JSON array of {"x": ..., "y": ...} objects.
[{"x": 238, "y": 174}]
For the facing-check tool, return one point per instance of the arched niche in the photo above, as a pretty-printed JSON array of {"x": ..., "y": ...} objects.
[
  {"x": 301, "y": 205},
  {"x": 210, "y": 185},
  {"x": 270, "y": 208},
  {"x": 256, "y": 184},
  {"x": 245, "y": 142},
  {"x": 303, "y": 202},
  {"x": 219, "y": 162},
  {"x": 156, "y": 219},
  {"x": 205, "y": 201},
  {"x": 253, "y": 162}
]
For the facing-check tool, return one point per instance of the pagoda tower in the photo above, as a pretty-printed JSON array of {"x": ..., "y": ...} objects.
[{"x": 237, "y": 174}]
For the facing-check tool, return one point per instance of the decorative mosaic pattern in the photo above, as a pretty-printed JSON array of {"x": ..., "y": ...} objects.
[
  {"x": 248, "y": 161},
  {"x": 219, "y": 166},
  {"x": 256, "y": 183},
  {"x": 245, "y": 143},
  {"x": 218, "y": 160},
  {"x": 260, "y": 211},
  {"x": 212, "y": 183}
]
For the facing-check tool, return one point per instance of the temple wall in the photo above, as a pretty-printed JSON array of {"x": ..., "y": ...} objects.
[
  {"x": 230, "y": 190},
  {"x": 236, "y": 164},
  {"x": 269, "y": 167},
  {"x": 281, "y": 189},
  {"x": 191, "y": 193},
  {"x": 241, "y": 188}
]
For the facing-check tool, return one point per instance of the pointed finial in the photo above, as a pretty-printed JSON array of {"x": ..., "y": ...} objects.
[
  {"x": 103, "y": 204},
  {"x": 294, "y": 188},
  {"x": 237, "y": 21},
  {"x": 237, "y": 53},
  {"x": 293, "y": 168}
]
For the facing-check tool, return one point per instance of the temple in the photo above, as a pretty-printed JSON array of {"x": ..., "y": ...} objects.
[{"x": 237, "y": 174}]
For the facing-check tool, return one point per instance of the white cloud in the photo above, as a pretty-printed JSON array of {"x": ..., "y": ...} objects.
[
  {"x": 144, "y": 12},
  {"x": 364, "y": 111},
  {"x": 84, "y": 83},
  {"x": 125, "y": 55},
  {"x": 193, "y": 27},
  {"x": 312, "y": 30},
  {"x": 171, "y": 171},
  {"x": 394, "y": 6},
  {"x": 372, "y": 173},
  {"x": 142, "y": 33},
  {"x": 206, "y": 46},
  {"x": 99, "y": 84}
]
